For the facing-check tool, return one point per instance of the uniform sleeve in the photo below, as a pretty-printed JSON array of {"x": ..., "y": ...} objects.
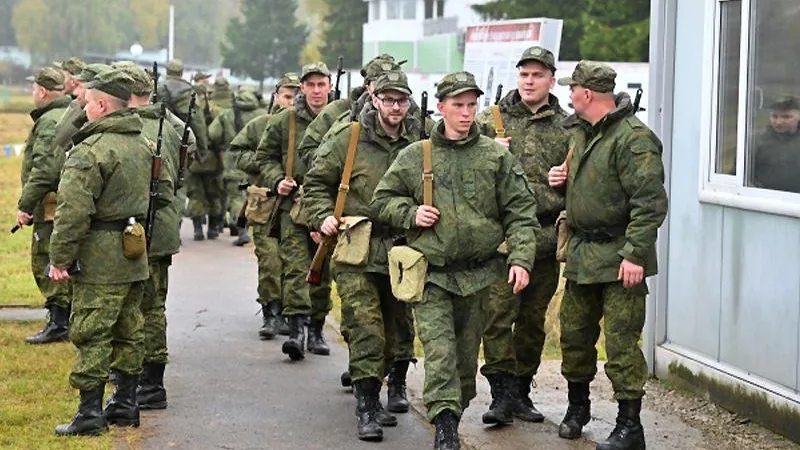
[
  {"x": 313, "y": 138},
  {"x": 269, "y": 153},
  {"x": 641, "y": 174},
  {"x": 216, "y": 134},
  {"x": 47, "y": 160},
  {"x": 166, "y": 181},
  {"x": 81, "y": 184},
  {"x": 393, "y": 202},
  {"x": 322, "y": 182},
  {"x": 517, "y": 204},
  {"x": 243, "y": 147},
  {"x": 198, "y": 124}
]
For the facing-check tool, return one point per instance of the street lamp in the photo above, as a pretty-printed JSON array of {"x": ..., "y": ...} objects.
[{"x": 136, "y": 50}]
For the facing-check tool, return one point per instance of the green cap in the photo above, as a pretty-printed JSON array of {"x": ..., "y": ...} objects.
[
  {"x": 49, "y": 78},
  {"x": 456, "y": 83},
  {"x": 289, "y": 79},
  {"x": 175, "y": 67},
  {"x": 785, "y": 103},
  {"x": 315, "y": 68},
  {"x": 90, "y": 71},
  {"x": 142, "y": 79},
  {"x": 201, "y": 76},
  {"x": 378, "y": 65},
  {"x": 221, "y": 83},
  {"x": 592, "y": 75},
  {"x": 114, "y": 82},
  {"x": 539, "y": 54},
  {"x": 73, "y": 66},
  {"x": 393, "y": 80}
]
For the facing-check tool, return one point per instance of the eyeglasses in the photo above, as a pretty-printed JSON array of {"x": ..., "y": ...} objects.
[{"x": 388, "y": 102}]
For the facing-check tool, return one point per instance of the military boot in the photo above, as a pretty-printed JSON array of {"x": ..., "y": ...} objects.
[
  {"x": 294, "y": 347},
  {"x": 270, "y": 311},
  {"x": 197, "y": 222},
  {"x": 396, "y": 385},
  {"x": 446, "y": 431},
  {"x": 501, "y": 410},
  {"x": 123, "y": 409},
  {"x": 523, "y": 405},
  {"x": 151, "y": 393},
  {"x": 89, "y": 421},
  {"x": 213, "y": 227},
  {"x": 578, "y": 411},
  {"x": 56, "y": 329},
  {"x": 283, "y": 325},
  {"x": 367, "y": 406},
  {"x": 233, "y": 230},
  {"x": 628, "y": 434},
  {"x": 384, "y": 417},
  {"x": 345, "y": 379},
  {"x": 316, "y": 341},
  {"x": 243, "y": 237}
]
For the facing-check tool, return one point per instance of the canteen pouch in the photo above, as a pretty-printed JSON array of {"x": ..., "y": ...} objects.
[
  {"x": 352, "y": 245},
  {"x": 298, "y": 213},
  {"x": 563, "y": 235},
  {"x": 134, "y": 243},
  {"x": 260, "y": 203},
  {"x": 408, "y": 271},
  {"x": 49, "y": 203}
]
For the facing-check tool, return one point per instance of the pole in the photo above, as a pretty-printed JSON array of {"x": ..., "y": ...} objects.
[{"x": 171, "y": 47}]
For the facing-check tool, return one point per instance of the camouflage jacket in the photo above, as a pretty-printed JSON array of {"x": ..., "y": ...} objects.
[
  {"x": 776, "y": 164},
  {"x": 615, "y": 185},
  {"x": 219, "y": 100},
  {"x": 375, "y": 153},
  {"x": 223, "y": 130},
  {"x": 483, "y": 197},
  {"x": 176, "y": 92},
  {"x": 70, "y": 122},
  {"x": 106, "y": 178},
  {"x": 42, "y": 160},
  {"x": 540, "y": 142},
  {"x": 244, "y": 144},
  {"x": 323, "y": 123}
]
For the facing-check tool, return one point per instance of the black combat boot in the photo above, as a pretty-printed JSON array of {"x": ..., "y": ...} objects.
[
  {"x": 367, "y": 406},
  {"x": 197, "y": 223},
  {"x": 384, "y": 417},
  {"x": 501, "y": 411},
  {"x": 396, "y": 386},
  {"x": 628, "y": 434},
  {"x": 233, "y": 230},
  {"x": 213, "y": 227},
  {"x": 243, "y": 238},
  {"x": 56, "y": 329},
  {"x": 122, "y": 409},
  {"x": 316, "y": 341},
  {"x": 270, "y": 311},
  {"x": 151, "y": 393},
  {"x": 294, "y": 347},
  {"x": 89, "y": 420},
  {"x": 345, "y": 379},
  {"x": 523, "y": 405},
  {"x": 283, "y": 325},
  {"x": 578, "y": 411},
  {"x": 446, "y": 431}
]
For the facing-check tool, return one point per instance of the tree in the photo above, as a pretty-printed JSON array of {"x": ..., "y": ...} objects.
[
  {"x": 312, "y": 13},
  {"x": 7, "y": 36},
  {"x": 150, "y": 22},
  {"x": 616, "y": 30},
  {"x": 199, "y": 27},
  {"x": 345, "y": 20},
  {"x": 265, "y": 41}
]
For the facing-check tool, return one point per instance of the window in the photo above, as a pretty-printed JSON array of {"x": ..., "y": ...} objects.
[
  {"x": 401, "y": 9},
  {"x": 409, "y": 9},
  {"x": 429, "y": 9},
  {"x": 392, "y": 9},
  {"x": 434, "y": 9},
  {"x": 439, "y": 8},
  {"x": 375, "y": 9}
]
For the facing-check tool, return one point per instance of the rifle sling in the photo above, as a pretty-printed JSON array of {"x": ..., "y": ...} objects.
[
  {"x": 499, "y": 129},
  {"x": 291, "y": 149},
  {"x": 344, "y": 186},
  {"x": 427, "y": 173}
]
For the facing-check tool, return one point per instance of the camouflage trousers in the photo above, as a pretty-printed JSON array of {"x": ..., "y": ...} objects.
[
  {"x": 205, "y": 194},
  {"x": 270, "y": 266},
  {"x": 154, "y": 310},
  {"x": 513, "y": 325},
  {"x": 624, "y": 311},
  {"x": 58, "y": 294},
  {"x": 449, "y": 327},
  {"x": 106, "y": 326},
  {"x": 297, "y": 249},
  {"x": 233, "y": 200},
  {"x": 369, "y": 314}
]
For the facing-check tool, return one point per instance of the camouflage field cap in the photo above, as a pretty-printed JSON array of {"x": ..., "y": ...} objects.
[
  {"x": 378, "y": 65},
  {"x": 175, "y": 67},
  {"x": 90, "y": 71},
  {"x": 455, "y": 84},
  {"x": 785, "y": 103},
  {"x": 318, "y": 67},
  {"x": 221, "y": 83},
  {"x": 201, "y": 76},
  {"x": 393, "y": 80},
  {"x": 114, "y": 82},
  {"x": 49, "y": 78},
  {"x": 289, "y": 79},
  {"x": 592, "y": 75},
  {"x": 142, "y": 79},
  {"x": 73, "y": 66},
  {"x": 539, "y": 54}
]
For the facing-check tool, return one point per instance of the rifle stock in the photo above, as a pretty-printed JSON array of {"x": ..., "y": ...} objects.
[{"x": 326, "y": 245}]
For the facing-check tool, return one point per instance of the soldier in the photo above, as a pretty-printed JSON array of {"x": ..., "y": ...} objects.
[
  {"x": 368, "y": 306},
  {"x": 70, "y": 68},
  {"x": 480, "y": 196},
  {"x": 220, "y": 97},
  {"x": 202, "y": 185},
  {"x": 165, "y": 242},
  {"x": 297, "y": 248},
  {"x": 777, "y": 149},
  {"x": 201, "y": 80},
  {"x": 41, "y": 170},
  {"x": 102, "y": 189},
  {"x": 243, "y": 148},
  {"x": 75, "y": 117},
  {"x": 615, "y": 204},
  {"x": 220, "y": 134},
  {"x": 531, "y": 117}
]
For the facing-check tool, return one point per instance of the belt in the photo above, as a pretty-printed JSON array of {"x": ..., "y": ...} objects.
[
  {"x": 461, "y": 265},
  {"x": 111, "y": 225},
  {"x": 605, "y": 234}
]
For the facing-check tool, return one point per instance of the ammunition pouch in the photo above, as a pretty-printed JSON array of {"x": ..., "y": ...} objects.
[
  {"x": 408, "y": 272},
  {"x": 352, "y": 245},
  {"x": 260, "y": 204}
]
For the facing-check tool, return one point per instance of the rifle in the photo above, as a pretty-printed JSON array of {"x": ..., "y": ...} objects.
[
  {"x": 637, "y": 100},
  {"x": 498, "y": 94},
  {"x": 155, "y": 174},
  {"x": 183, "y": 153},
  {"x": 337, "y": 94},
  {"x": 271, "y": 102},
  {"x": 238, "y": 122},
  {"x": 155, "y": 82},
  {"x": 425, "y": 113}
]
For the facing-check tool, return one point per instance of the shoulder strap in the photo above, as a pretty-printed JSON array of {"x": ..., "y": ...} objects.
[
  {"x": 344, "y": 186},
  {"x": 427, "y": 173},
  {"x": 498, "y": 121},
  {"x": 291, "y": 149}
]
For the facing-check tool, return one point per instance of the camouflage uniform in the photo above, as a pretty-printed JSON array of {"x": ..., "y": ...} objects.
[
  {"x": 775, "y": 164},
  {"x": 220, "y": 98},
  {"x": 74, "y": 117},
  {"x": 483, "y": 196}
]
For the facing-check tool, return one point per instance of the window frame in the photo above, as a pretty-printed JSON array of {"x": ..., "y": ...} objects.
[{"x": 722, "y": 189}]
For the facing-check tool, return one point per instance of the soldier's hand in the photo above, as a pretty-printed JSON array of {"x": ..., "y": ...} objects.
[
  {"x": 330, "y": 226},
  {"x": 557, "y": 176},
  {"x": 505, "y": 142},
  {"x": 427, "y": 216},
  {"x": 631, "y": 274},
  {"x": 23, "y": 218},
  {"x": 285, "y": 187},
  {"x": 58, "y": 275},
  {"x": 316, "y": 237},
  {"x": 519, "y": 278}
]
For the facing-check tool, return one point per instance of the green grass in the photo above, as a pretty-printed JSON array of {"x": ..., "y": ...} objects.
[{"x": 17, "y": 103}]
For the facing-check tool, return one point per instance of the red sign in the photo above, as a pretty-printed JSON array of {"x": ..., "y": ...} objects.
[{"x": 505, "y": 32}]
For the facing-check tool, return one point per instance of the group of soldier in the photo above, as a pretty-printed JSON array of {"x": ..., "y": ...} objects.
[{"x": 448, "y": 229}]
